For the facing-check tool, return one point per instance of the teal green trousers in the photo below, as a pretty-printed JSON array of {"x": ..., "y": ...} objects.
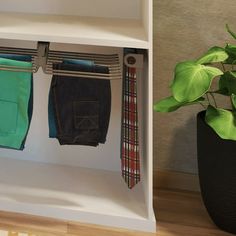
[{"x": 15, "y": 88}]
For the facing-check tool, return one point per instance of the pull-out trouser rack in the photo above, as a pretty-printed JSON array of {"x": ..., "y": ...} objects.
[{"x": 45, "y": 58}]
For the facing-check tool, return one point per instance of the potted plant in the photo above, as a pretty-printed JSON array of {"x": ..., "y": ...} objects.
[{"x": 216, "y": 126}]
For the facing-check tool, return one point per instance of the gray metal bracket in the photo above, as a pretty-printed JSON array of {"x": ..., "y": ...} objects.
[{"x": 42, "y": 55}]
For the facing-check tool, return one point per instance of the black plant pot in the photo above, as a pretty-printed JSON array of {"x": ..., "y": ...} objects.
[{"x": 217, "y": 175}]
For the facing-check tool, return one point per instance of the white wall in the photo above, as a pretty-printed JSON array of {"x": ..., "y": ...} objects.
[{"x": 183, "y": 30}]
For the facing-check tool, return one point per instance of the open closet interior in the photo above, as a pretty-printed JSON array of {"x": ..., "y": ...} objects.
[{"x": 77, "y": 182}]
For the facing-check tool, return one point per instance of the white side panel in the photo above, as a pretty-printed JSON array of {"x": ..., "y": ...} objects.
[
  {"x": 146, "y": 12},
  {"x": 98, "y": 8},
  {"x": 146, "y": 133},
  {"x": 150, "y": 135},
  {"x": 150, "y": 109}
]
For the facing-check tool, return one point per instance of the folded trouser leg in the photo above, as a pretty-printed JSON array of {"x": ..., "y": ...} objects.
[
  {"x": 15, "y": 91},
  {"x": 81, "y": 107},
  {"x": 30, "y": 105},
  {"x": 51, "y": 111}
]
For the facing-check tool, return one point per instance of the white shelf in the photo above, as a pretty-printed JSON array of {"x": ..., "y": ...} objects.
[
  {"x": 72, "y": 193},
  {"x": 74, "y": 29}
]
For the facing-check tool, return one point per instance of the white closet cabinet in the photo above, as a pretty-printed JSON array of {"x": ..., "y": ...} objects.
[{"x": 78, "y": 183}]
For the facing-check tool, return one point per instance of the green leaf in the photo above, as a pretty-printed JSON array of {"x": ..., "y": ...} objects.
[
  {"x": 231, "y": 51},
  {"x": 230, "y": 31},
  {"x": 192, "y": 80},
  {"x": 223, "y": 122},
  {"x": 214, "y": 54},
  {"x": 233, "y": 99},
  {"x": 170, "y": 104},
  {"x": 227, "y": 83}
]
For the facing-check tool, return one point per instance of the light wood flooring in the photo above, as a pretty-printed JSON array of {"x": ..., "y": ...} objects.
[{"x": 178, "y": 214}]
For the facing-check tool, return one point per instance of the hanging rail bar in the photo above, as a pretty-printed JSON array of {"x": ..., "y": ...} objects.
[
  {"x": 18, "y": 51},
  {"x": 77, "y": 74},
  {"x": 50, "y": 59},
  {"x": 112, "y": 67},
  {"x": 89, "y": 57},
  {"x": 81, "y": 54},
  {"x": 84, "y": 73}
]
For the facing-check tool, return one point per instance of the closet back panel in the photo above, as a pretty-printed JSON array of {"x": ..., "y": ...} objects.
[
  {"x": 100, "y": 8},
  {"x": 43, "y": 149}
]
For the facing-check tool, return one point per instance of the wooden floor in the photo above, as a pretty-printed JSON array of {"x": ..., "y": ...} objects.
[{"x": 178, "y": 214}]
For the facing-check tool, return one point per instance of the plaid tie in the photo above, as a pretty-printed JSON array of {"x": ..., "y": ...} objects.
[{"x": 130, "y": 160}]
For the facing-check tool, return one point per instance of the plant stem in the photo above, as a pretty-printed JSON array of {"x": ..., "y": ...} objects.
[
  {"x": 202, "y": 105},
  {"x": 208, "y": 99},
  {"x": 213, "y": 97},
  {"x": 233, "y": 64},
  {"x": 223, "y": 66},
  {"x": 231, "y": 102}
]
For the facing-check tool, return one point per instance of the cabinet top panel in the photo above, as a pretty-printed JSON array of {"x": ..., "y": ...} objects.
[
  {"x": 130, "y": 9},
  {"x": 73, "y": 29}
]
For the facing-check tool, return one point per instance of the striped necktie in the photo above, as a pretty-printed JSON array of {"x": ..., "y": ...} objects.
[{"x": 130, "y": 159}]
